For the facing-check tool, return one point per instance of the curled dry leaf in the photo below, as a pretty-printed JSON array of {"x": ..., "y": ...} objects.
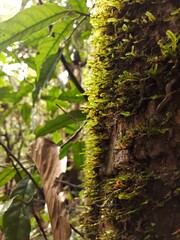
[{"x": 46, "y": 156}]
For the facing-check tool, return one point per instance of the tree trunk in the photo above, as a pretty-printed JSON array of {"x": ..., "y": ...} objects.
[{"x": 133, "y": 130}]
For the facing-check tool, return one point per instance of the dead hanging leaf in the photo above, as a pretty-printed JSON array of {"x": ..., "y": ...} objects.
[{"x": 46, "y": 156}]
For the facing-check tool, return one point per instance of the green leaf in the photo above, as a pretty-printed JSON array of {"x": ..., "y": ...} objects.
[
  {"x": 7, "y": 174},
  {"x": 59, "y": 122},
  {"x": 22, "y": 92},
  {"x": 171, "y": 36},
  {"x": 26, "y": 113},
  {"x": 36, "y": 38},
  {"x": 64, "y": 151},
  {"x": 125, "y": 113},
  {"x": 46, "y": 74},
  {"x": 28, "y": 22},
  {"x": 79, "y": 5},
  {"x": 16, "y": 220},
  {"x": 50, "y": 45},
  {"x": 25, "y": 188},
  {"x": 150, "y": 16},
  {"x": 5, "y": 206},
  {"x": 72, "y": 96},
  {"x": 127, "y": 196},
  {"x": 6, "y": 94}
]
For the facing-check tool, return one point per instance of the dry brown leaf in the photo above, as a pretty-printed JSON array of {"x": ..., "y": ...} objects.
[{"x": 46, "y": 157}]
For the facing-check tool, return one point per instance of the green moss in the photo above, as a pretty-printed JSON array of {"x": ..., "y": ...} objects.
[{"x": 126, "y": 72}]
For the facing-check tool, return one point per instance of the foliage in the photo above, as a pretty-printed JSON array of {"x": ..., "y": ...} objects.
[{"x": 38, "y": 46}]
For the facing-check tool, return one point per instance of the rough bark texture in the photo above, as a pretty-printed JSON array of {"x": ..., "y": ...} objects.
[{"x": 133, "y": 142}]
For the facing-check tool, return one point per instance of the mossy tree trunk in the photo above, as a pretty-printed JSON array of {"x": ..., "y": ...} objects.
[{"x": 133, "y": 132}]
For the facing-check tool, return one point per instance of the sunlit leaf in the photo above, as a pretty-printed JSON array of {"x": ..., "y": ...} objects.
[
  {"x": 79, "y": 5},
  {"x": 36, "y": 38},
  {"x": 6, "y": 94},
  {"x": 23, "y": 91},
  {"x": 60, "y": 122},
  {"x": 50, "y": 45},
  {"x": 72, "y": 96},
  {"x": 64, "y": 151},
  {"x": 28, "y": 22},
  {"x": 46, "y": 74}
]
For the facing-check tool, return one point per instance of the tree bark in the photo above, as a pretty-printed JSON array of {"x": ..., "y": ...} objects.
[{"x": 133, "y": 131}]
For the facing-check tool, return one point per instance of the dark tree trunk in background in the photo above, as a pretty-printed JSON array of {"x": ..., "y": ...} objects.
[{"x": 133, "y": 133}]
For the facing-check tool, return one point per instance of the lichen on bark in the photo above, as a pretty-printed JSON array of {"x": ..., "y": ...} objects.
[{"x": 132, "y": 144}]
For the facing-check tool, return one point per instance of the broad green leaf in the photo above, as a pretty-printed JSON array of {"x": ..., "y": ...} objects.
[
  {"x": 72, "y": 96},
  {"x": 60, "y": 122},
  {"x": 26, "y": 110},
  {"x": 46, "y": 74},
  {"x": 79, "y": 5},
  {"x": 6, "y": 94},
  {"x": 50, "y": 45},
  {"x": 64, "y": 151},
  {"x": 7, "y": 174},
  {"x": 56, "y": 137},
  {"x": 28, "y": 22},
  {"x": 16, "y": 220},
  {"x": 36, "y": 38},
  {"x": 2, "y": 58},
  {"x": 24, "y": 188},
  {"x": 22, "y": 92}
]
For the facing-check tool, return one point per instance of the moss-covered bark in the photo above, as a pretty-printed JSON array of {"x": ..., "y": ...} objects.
[{"x": 131, "y": 174}]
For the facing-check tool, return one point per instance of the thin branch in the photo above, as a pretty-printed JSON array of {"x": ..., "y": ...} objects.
[
  {"x": 72, "y": 77},
  {"x": 69, "y": 184},
  {"x": 79, "y": 23},
  {"x": 73, "y": 137},
  {"x": 22, "y": 167},
  {"x": 15, "y": 167},
  {"x": 67, "y": 114},
  {"x": 39, "y": 225},
  {"x": 77, "y": 231}
]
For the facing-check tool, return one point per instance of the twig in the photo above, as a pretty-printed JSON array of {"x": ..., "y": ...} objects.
[
  {"x": 22, "y": 167},
  {"x": 73, "y": 137},
  {"x": 72, "y": 77},
  {"x": 69, "y": 184},
  {"x": 39, "y": 225},
  {"x": 14, "y": 166},
  {"x": 79, "y": 23},
  {"x": 67, "y": 114},
  {"x": 77, "y": 231}
]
